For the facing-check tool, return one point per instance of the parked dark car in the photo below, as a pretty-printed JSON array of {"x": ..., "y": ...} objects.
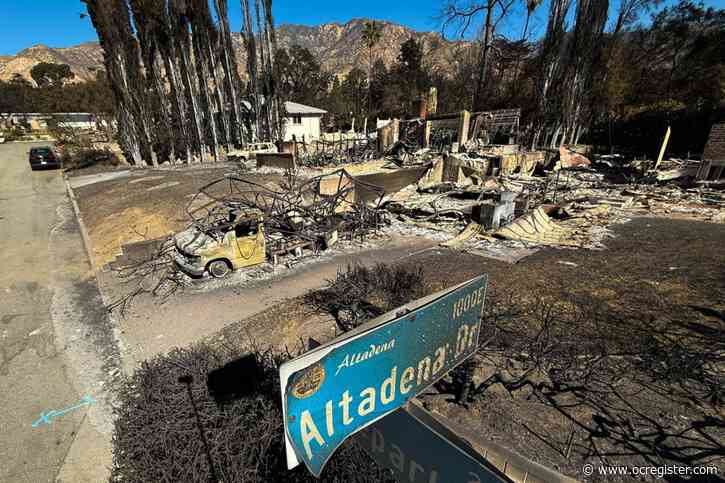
[{"x": 43, "y": 158}]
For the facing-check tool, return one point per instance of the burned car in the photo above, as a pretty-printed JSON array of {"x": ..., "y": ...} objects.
[{"x": 233, "y": 245}]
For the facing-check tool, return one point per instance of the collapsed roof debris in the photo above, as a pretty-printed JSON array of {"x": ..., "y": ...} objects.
[
  {"x": 677, "y": 169},
  {"x": 502, "y": 194},
  {"x": 571, "y": 159},
  {"x": 541, "y": 226},
  {"x": 489, "y": 200},
  {"x": 496, "y": 200}
]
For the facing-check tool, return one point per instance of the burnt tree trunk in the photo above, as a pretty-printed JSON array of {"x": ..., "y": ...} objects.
[
  {"x": 231, "y": 75},
  {"x": 174, "y": 76},
  {"x": 253, "y": 86},
  {"x": 485, "y": 57}
]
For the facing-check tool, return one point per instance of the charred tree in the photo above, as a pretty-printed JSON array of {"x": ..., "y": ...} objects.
[
  {"x": 261, "y": 44},
  {"x": 121, "y": 55},
  {"x": 275, "y": 108},
  {"x": 585, "y": 53},
  {"x": 567, "y": 66},
  {"x": 232, "y": 82},
  {"x": 175, "y": 79},
  {"x": 551, "y": 68},
  {"x": 179, "y": 11},
  {"x": 250, "y": 43},
  {"x": 147, "y": 26},
  {"x": 198, "y": 38},
  {"x": 168, "y": 50},
  {"x": 463, "y": 14},
  {"x": 485, "y": 56}
]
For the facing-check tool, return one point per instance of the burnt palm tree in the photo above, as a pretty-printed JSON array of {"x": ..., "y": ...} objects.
[{"x": 371, "y": 35}]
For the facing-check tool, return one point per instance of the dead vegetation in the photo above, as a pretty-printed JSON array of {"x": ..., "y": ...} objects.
[
  {"x": 85, "y": 158},
  {"x": 189, "y": 416},
  {"x": 635, "y": 381},
  {"x": 81, "y": 148},
  {"x": 155, "y": 275},
  {"x": 212, "y": 413},
  {"x": 176, "y": 81},
  {"x": 359, "y": 293},
  {"x": 616, "y": 375},
  {"x": 635, "y": 377},
  {"x": 573, "y": 207}
]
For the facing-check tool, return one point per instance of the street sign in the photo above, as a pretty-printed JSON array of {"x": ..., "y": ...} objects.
[
  {"x": 341, "y": 387},
  {"x": 418, "y": 448}
]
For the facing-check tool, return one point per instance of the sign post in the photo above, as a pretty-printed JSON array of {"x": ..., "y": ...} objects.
[{"x": 341, "y": 387}]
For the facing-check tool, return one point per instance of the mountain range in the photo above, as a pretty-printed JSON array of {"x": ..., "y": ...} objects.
[{"x": 337, "y": 47}]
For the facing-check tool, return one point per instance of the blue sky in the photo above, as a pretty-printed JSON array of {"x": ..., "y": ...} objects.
[{"x": 57, "y": 23}]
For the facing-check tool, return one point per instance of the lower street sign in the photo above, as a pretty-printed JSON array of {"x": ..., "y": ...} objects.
[
  {"x": 341, "y": 387},
  {"x": 418, "y": 448}
]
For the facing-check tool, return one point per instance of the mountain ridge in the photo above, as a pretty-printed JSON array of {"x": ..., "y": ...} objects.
[{"x": 338, "y": 47}]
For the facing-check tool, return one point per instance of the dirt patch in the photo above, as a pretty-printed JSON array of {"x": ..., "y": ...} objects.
[
  {"x": 129, "y": 226},
  {"x": 288, "y": 326},
  {"x": 648, "y": 258},
  {"x": 146, "y": 205}
]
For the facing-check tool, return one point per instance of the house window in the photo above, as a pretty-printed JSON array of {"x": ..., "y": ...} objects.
[{"x": 296, "y": 119}]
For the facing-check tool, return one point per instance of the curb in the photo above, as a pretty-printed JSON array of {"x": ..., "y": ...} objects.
[
  {"x": 518, "y": 468},
  {"x": 116, "y": 331},
  {"x": 81, "y": 224}
]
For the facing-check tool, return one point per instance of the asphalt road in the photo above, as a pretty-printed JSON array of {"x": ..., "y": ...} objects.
[{"x": 45, "y": 284}]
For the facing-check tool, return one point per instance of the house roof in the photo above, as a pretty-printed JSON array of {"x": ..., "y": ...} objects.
[
  {"x": 297, "y": 108},
  {"x": 294, "y": 108}
]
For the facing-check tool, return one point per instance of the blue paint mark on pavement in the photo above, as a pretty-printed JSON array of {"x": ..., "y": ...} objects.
[{"x": 46, "y": 418}]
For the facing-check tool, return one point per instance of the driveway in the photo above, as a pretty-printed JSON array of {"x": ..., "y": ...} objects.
[{"x": 55, "y": 424}]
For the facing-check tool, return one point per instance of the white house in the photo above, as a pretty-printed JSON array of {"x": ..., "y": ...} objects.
[{"x": 302, "y": 121}]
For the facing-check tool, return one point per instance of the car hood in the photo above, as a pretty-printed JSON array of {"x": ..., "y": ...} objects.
[{"x": 193, "y": 241}]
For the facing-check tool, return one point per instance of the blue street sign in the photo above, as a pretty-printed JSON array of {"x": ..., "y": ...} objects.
[
  {"x": 418, "y": 448},
  {"x": 339, "y": 388}
]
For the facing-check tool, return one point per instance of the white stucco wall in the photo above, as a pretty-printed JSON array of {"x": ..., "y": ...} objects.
[{"x": 310, "y": 128}]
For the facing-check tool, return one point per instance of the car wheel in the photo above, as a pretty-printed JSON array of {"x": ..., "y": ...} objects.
[{"x": 219, "y": 269}]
